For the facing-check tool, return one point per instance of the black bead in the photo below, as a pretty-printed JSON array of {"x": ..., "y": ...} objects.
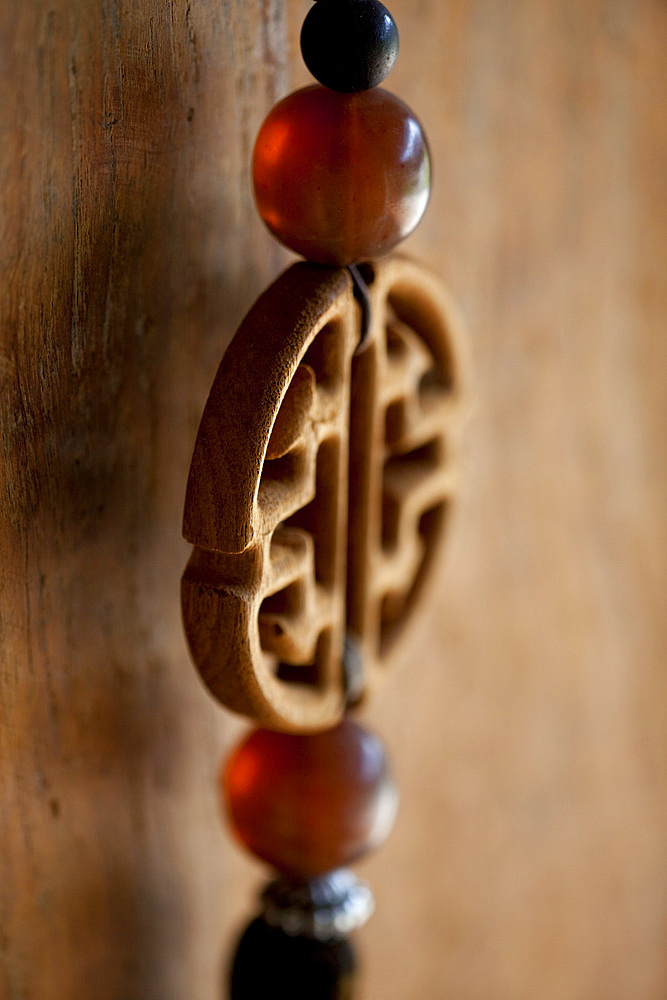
[
  {"x": 270, "y": 963},
  {"x": 349, "y": 45}
]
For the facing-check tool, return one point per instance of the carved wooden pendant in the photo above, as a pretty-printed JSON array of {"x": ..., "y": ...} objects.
[{"x": 319, "y": 489}]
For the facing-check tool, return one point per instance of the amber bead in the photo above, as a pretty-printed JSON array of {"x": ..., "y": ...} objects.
[
  {"x": 310, "y": 803},
  {"x": 341, "y": 178}
]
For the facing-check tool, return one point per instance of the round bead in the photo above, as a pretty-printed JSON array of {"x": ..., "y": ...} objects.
[
  {"x": 271, "y": 963},
  {"x": 310, "y": 803},
  {"x": 349, "y": 45},
  {"x": 341, "y": 178}
]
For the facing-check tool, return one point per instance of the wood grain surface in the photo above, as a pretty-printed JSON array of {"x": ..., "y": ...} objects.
[{"x": 529, "y": 728}]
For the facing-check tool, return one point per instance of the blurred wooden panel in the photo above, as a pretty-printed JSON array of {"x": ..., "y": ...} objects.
[
  {"x": 529, "y": 730},
  {"x": 130, "y": 250}
]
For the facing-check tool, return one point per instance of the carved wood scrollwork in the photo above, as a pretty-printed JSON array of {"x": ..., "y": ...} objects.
[{"x": 319, "y": 488}]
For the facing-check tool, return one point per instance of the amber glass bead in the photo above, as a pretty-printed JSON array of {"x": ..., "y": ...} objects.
[
  {"x": 341, "y": 178},
  {"x": 310, "y": 803}
]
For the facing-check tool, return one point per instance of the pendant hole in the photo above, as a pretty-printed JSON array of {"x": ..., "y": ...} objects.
[
  {"x": 395, "y": 422},
  {"x": 293, "y": 413},
  {"x": 325, "y": 356},
  {"x": 396, "y": 345},
  {"x": 281, "y": 479},
  {"x": 431, "y": 521},
  {"x": 403, "y": 474},
  {"x": 432, "y": 387},
  {"x": 288, "y": 601},
  {"x": 310, "y": 674},
  {"x": 396, "y": 604},
  {"x": 424, "y": 319},
  {"x": 319, "y": 517}
]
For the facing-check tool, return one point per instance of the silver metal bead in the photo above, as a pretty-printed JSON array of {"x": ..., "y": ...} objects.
[{"x": 330, "y": 906}]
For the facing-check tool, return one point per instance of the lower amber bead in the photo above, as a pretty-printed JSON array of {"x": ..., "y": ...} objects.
[
  {"x": 307, "y": 804},
  {"x": 341, "y": 178}
]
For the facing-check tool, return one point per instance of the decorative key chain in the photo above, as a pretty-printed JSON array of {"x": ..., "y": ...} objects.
[{"x": 321, "y": 478}]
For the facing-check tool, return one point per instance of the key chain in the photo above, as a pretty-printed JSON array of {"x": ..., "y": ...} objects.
[{"x": 322, "y": 476}]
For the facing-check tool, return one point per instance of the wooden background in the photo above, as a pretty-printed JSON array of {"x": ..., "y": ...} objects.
[{"x": 529, "y": 727}]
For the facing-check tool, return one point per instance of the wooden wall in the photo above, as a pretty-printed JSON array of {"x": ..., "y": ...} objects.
[{"x": 529, "y": 727}]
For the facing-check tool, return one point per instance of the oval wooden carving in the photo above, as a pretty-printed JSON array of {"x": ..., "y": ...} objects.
[{"x": 319, "y": 488}]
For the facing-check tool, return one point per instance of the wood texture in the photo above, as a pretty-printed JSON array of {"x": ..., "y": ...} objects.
[
  {"x": 320, "y": 486},
  {"x": 528, "y": 728},
  {"x": 130, "y": 251},
  {"x": 264, "y": 588}
]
